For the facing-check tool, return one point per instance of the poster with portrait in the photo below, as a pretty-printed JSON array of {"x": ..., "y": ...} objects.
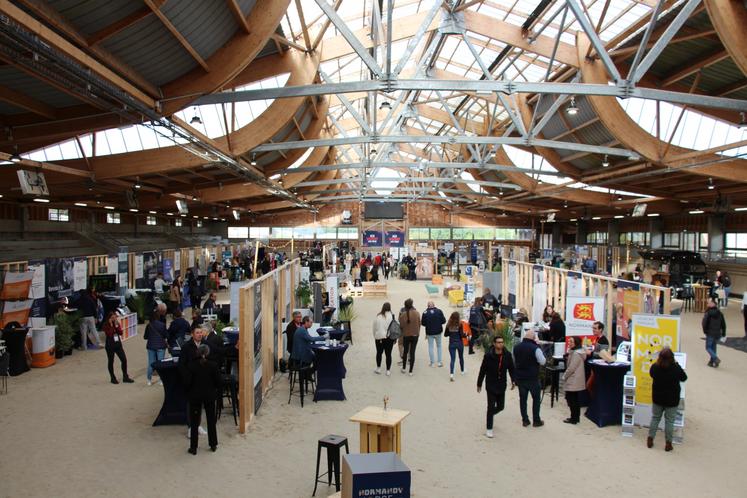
[
  {"x": 59, "y": 275},
  {"x": 580, "y": 315},
  {"x": 257, "y": 347},
  {"x": 650, "y": 333},
  {"x": 424, "y": 264},
  {"x": 628, "y": 303}
]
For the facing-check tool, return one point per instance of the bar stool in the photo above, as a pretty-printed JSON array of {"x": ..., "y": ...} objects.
[
  {"x": 333, "y": 444},
  {"x": 230, "y": 391},
  {"x": 302, "y": 375}
]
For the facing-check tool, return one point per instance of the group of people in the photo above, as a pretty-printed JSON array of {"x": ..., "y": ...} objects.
[{"x": 369, "y": 267}]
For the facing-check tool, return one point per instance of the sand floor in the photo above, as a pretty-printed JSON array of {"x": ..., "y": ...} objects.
[{"x": 66, "y": 431}]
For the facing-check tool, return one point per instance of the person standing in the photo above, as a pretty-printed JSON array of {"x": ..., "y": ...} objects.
[
  {"x": 387, "y": 262},
  {"x": 714, "y": 328},
  {"x": 433, "y": 320},
  {"x": 744, "y": 312},
  {"x": 203, "y": 385},
  {"x": 557, "y": 328},
  {"x": 409, "y": 321},
  {"x": 157, "y": 342},
  {"x": 726, "y": 284},
  {"x": 527, "y": 359},
  {"x": 88, "y": 307},
  {"x": 188, "y": 353},
  {"x": 384, "y": 343},
  {"x": 665, "y": 392},
  {"x": 178, "y": 330},
  {"x": 158, "y": 284},
  {"x": 574, "y": 380},
  {"x": 477, "y": 323},
  {"x": 495, "y": 364},
  {"x": 113, "y": 332},
  {"x": 175, "y": 294},
  {"x": 456, "y": 336}
]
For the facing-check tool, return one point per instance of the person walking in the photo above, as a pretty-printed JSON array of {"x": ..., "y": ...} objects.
[
  {"x": 175, "y": 295},
  {"x": 744, "y": 312},
  {"x": 527, "y": 359},
  {"x": 384, "y": 343},
  {"x": 156, "y": 345},
  {"x": 456, "y": 335},
  {"x": 477, "y": 323},
  {"x": 714, "y": 328},
  {"x": 409, "y": 321},
  {"x": 113, "y": 332},
  {"x": 574, "y": 379},
  {"x": 203, "y": 384},
  {"x": 433, "y": 320},
  {"x": 665, "y": 392},
  {"x": 495, "y": 364}
]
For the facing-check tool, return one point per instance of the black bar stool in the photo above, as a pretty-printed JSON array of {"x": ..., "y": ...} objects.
[
  {"x": 302, "y": 375},
  {"x": 231, "y": 392},
  {"x": 333, "y": 444}
]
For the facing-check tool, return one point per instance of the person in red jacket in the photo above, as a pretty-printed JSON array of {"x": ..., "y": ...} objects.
[{"x": 113, "y": 332}]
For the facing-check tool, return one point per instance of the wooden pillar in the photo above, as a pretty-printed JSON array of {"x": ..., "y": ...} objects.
[{"x": 246, "y": 357}]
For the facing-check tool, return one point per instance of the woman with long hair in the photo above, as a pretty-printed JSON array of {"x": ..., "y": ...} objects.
[
  {"x": 203, "y": 384},
  {"x": 547, "y": 314},
  {"x": 113, "y": 332},
  {"x": 575, "y": 379},
  {"x": 381, "y": 337},
  {"x": 157, "y": 343},
  {"x": 175, "y": 294},
  {"x": 456, "y": 346},
  {"x": 665, "y": 391},
  {"x": 409, "y": 321}
]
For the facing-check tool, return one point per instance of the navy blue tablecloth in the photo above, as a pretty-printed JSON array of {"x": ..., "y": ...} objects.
[
  {"x": 174, "y": 409},
  {"x": 330, "y": 370},
  {"x": 605, "y": 406}
]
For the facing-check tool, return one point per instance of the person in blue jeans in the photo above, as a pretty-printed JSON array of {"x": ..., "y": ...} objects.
[
  {"x": 156, "y": 343},
  {"x": 433, "y": 320},
  {"x": 714, "y": 327},
  {"x": 455, "y": 333}
]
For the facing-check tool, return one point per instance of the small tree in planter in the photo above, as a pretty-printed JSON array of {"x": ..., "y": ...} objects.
[
  {"x": 503, "y": 328},
  {"x": 303, "y": 293},
  {"x": 136, "y": 303},
  {"x": 63, "y": 333}
]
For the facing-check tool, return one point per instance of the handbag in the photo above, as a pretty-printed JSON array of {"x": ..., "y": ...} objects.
[{"x": 393, "y": 331}]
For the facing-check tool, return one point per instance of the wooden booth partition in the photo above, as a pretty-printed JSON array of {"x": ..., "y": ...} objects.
[{"x": 262, "y": 304}]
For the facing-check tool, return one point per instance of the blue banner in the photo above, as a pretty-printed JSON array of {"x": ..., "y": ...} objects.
[
  {"x": 394, "y": 238},
  {"x": 372, "y": 238},
  {"x": 167, "y": 270}
]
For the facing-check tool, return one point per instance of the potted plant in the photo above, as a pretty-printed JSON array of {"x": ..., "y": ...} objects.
[
  {"x": 345, "y": 316},
  {"x": 504, "y": 328},
  {"x": 63, "y": 333},
  {"x": 303, "y": 293},
  {"x": 136, "y": 303}
]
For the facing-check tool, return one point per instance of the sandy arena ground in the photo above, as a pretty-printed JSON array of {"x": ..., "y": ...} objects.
[{"x": 66, "y": 431}]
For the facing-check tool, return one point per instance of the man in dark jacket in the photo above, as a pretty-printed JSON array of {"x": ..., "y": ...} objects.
[
  {"x": 527, "y": 359},
  {"x": 290, "y": 331},
  {"x": 217, "y": 351},
  {"x": 477, "y": 323},
  {"x": 495, "y": 364},
  {"x": 714, "y": 328},
  {"x": 178, "y": 329},
  {"x": 433, "y": 320},
  {"x": 88, "y": 307},
  {"x": 188, "y": 353}
]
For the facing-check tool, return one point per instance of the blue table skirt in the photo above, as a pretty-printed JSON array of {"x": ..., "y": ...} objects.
[
  {"x": 174, "y": 409},
  {"x": 330, "y": 370},
  {"x": 605, "y": 406}
]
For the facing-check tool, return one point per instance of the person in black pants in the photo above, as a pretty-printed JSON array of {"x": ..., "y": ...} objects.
[
  {"x": 113, "y": 332},
  {"x": 203, "y": 385},
  {"x": 495, "y": 364},
  {"x": 528, "y": 357},
  {"x": 189, "y": 352}
]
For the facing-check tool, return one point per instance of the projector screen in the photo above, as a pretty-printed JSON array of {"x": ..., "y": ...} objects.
[{"x": 384, "y": 210}]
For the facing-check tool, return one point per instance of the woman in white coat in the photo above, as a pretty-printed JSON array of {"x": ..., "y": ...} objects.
[{"x": 380, "y": 332}]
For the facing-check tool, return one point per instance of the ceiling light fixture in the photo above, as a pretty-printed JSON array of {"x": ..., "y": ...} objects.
[
  {"x": 195, "y": 119},
  {"x": 740, "y": 209},
  {"x": 41, "y": 199},
  {"x": 743, "y": 120},
  {"x": 606, "y": 161},
  {"x": 652, "y": 215},
  {"x": 133, "y": 210},
  {"x": 194, "y": 197},
  {"x": 596, "y": 217},
  {"x": 152, "y": 212},
  {"x": 15, "y": 157},
  {"x": 572, "y": 108},
  {"x": 619, "y": 216},
  {"x": 385, "y": 105},
  {"x": 137, "y": 183},
  {"x": 696, "y": 211},
  {"x": 711, "y": 186},
  {"x": 81, "y": 204},
  {"x": 254, "y": 159},
  {"x": 109, "y": 207}
]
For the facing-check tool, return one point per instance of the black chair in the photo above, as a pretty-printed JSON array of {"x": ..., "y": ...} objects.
[
  {"x": 333, "y": 444},
  {"x": 303, "y": 375},
  {"x": 230, "y": 392}
]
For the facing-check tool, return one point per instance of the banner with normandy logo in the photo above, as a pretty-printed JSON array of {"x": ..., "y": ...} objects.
[{"x": 580, "y": 315}]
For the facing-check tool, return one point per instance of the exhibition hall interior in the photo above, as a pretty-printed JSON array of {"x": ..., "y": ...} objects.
[{"x": 373, "y": 248}]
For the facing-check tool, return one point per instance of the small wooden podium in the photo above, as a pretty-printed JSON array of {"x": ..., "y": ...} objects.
[{"x": 381, "y": 430}]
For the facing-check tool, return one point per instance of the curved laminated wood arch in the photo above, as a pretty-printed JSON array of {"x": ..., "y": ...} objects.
[
  {"x": 729, "y": 19},
  {"x": 631, "y": 135},
  {"x": 230, "y": 59}
]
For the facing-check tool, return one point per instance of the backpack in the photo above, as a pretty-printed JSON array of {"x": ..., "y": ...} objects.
[
  {"x": 726, "y": 281},
  {"x": 393, "y": 331}
]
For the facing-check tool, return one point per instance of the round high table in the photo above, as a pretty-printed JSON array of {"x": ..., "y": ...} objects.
[
  {"x": 174, "y": 408},
  {"x": 605, "y": 405},
  {"x": 330, "y": 370}
]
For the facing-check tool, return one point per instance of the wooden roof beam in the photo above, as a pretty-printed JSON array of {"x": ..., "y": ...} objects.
[
  {"x": 176, "y": 34},
  {"x": 233, "y": 6},
  {"x": 23, "y": 101}
]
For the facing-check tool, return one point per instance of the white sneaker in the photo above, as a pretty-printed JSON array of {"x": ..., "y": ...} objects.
[
  {"x": 463, "y": 372},
  {"x": 489, "y": 433},
  {"x": 430, "y": 364},
  {"x": 402, "y": 370},
  {"x": 440, "y": 364},
  {"x": 377, "y": 371},
  {"x": 201, "y": 431},
  {"x": 150, "y": 383},
  {"x": 388, "y": 373},
  {"x": 410, "y": 374},
  {"x": 451, "y": 376}
]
